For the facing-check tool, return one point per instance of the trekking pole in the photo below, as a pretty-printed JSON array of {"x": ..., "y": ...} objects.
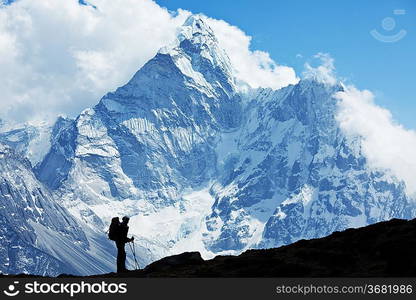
[
  {"x": 133, "y": 251},
  {"x": 134, "y": 254}
]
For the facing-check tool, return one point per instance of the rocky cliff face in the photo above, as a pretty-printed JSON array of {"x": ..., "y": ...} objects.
[
  {"x": 292, "y": 174},
  {"x": 150, "y": 142}
]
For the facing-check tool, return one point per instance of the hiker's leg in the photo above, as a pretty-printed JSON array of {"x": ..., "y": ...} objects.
[
  {"x": 120, "y": 262},
  {"x": 123, "y": 258}
]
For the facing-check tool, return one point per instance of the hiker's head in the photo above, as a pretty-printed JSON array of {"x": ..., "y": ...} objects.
[
  {"x": 115, "y": 220},
  {"x": 125, "y": 219}
]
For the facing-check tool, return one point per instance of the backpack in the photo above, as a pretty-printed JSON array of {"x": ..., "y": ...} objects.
[{"x": 113, "y": 231}]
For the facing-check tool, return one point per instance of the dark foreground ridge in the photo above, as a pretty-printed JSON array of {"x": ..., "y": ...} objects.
[{"x": 385, "y": 249}]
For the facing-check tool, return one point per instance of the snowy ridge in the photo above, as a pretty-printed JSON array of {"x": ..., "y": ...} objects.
[{"x": 38, "y": 236}]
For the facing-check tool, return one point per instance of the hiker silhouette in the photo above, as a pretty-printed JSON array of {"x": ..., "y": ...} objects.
[{"x": 118, "y": 233}]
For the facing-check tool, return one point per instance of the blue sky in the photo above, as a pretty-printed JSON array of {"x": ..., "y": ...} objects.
[{"x": 340, "y": 28}]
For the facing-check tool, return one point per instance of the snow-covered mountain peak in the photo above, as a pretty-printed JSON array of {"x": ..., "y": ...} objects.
[
  {"x": 196, "y": 28},
  {"x": 196, "y": 52}
]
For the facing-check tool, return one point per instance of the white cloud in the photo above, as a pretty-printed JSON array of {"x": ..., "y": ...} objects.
[
  {"x": 325, "y": 72},
  {"x": 59, "y": 57},
  {"x": 255, "y": 68},
  {"x": 386, "y": 144}
]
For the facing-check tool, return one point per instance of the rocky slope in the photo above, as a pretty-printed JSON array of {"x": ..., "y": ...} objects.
[{"x": 384, "y": 249}]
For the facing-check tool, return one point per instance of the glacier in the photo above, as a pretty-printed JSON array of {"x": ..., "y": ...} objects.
[{"x": 196, "y": 162}]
